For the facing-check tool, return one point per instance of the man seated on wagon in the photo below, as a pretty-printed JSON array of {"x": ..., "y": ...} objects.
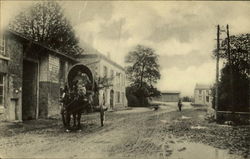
[{"x": 81, "y": 80}]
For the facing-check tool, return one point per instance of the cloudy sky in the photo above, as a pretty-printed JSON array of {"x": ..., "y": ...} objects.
[{"x": 182, "y": 33}]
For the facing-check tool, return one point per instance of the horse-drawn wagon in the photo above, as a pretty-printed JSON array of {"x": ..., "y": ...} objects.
[{"x": 78, "y": 96}]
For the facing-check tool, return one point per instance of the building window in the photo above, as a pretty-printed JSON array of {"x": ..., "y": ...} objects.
[
  {"x": 207, "y": 99},
  {"x": 123, "y": 96},
  {"x": 117, "y": 79},
  {"x": 200, "y": 97},
  {"x": 105, "y": 71},
  {"x": 112, "y": 73},
  {"x": 1, "y": 90},
  {"x": 2, "y": 45},
  {"x": 124, "y": 76},
  {"x": 118, "y": 97},
  {"x": 122, "y": 79},
  {"x": 200, "y": 91}
]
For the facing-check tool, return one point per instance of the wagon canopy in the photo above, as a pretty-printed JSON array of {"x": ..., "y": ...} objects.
[{"x": 73, "y": 71}]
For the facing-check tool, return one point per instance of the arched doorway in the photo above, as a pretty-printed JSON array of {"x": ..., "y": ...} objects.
[
  {"x": 79, "y": 68},
  {"x": 111, "y": 99}
]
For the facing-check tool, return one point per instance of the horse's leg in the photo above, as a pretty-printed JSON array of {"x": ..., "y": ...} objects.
[
  {"x": 102, "y": 115},
  {"x": 79, "y": 114},
  {"x": 67, "y": 121},
  {"x": 63, "y": 113},
  {"x": 64, "y": 117},
  {"x": 74, "y": 117}
]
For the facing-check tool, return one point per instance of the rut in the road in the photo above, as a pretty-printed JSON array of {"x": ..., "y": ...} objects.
[{"x": 144, "y": 136}]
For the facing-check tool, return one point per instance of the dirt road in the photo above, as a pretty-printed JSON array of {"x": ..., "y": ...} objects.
[{"x": 136, "y": 133}]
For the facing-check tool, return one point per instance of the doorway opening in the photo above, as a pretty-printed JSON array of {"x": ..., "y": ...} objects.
[{"x": 30, "y": 90}]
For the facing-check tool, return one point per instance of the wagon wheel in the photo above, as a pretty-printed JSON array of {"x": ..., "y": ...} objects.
[{"x": 101, "y": 115}]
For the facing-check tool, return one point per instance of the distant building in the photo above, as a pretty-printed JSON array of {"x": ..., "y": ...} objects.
[
  {"x": 168, "y": 96},
  {"x": 103, "y": 67},
  {"x": 202, "y": 94}
]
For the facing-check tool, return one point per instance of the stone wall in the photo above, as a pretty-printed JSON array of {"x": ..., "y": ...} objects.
[
  {"x": 50, "y": 84},
  {"x": 236, "y": 117},
  {"x": 43, "y": 86},
  {"x": 13, "y": 96},
  {"x": 46, "y": 75},
  {"x": 54, "y": 86},
  {"x": 118, "y": 84}
]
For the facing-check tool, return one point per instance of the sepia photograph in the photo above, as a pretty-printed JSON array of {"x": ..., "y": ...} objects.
[{"x": 125, "y": 79}]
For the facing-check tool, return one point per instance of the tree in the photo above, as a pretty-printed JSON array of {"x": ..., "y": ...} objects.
[
  {"x": 186, "y": 99},
  {"x": 239, "y": 51},
  {"x": 143, "y": 72},
  {"x": 239, "y": 63},
  {"x": 44, "y": 22},
  {"x": 240, "y": 93}
]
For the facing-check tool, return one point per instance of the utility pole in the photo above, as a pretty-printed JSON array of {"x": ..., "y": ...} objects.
[
  {"x": 217, "y": 72},
  {"x": 230, "y": 69},
  {"x": 248, "y": 72}
]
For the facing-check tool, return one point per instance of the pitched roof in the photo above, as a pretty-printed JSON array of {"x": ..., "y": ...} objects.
[
  {"x": 202, "y": 86},
  {"x": 89, "y": 51},
  {"x": 40, "y": 45},
  {"x": 170, "y": 92}
]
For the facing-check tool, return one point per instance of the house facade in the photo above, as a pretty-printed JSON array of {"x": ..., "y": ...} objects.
[
  {"x": 168, "y": 96},
  {"x": 104, "y": 67},
  {"x": 202, "y": 95},
  {"x": 30, "y": 78}
]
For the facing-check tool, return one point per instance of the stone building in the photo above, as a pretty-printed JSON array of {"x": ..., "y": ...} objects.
[
  {"x": 168, "y": 96},
  {"x": 30, "y": 78},
  {"x": 103, "y": 67},
  {"x": 202, "y": 95}
]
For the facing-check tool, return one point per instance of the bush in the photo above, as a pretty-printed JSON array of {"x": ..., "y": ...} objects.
[
  {"x": 133, "y": 101},
  {"x": 240, "y": 91},
  {"x": 139, "y": 96}
]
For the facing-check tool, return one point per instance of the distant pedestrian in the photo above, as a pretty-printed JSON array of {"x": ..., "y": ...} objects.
[
  {"x": 102, "y": 103},
  {"x": 179, "y": 105}
]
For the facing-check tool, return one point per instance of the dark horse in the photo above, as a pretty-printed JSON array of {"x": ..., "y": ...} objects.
[{"x": 73, "y": 105}]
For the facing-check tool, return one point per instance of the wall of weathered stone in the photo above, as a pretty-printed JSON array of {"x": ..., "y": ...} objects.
[
  {"x": 237, "y": 117},
  {"x": 43, "y": 86},
  {"x": 49, "y": 86},
  {"x": 54, "y": 86},
  {"x": 54, "y": 83},
  {"x": 118, "y": 82},
  {"x": 48, "y": 75},
  {"x": 13, "y": 96},
  {"x": 50, "y": 83}
]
